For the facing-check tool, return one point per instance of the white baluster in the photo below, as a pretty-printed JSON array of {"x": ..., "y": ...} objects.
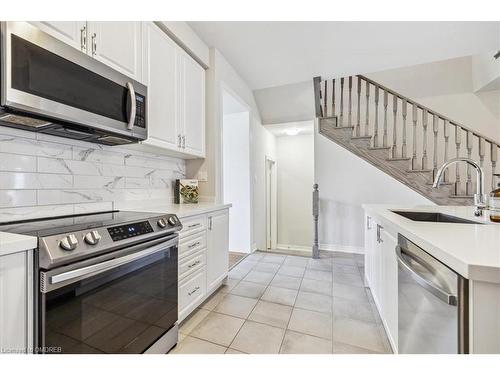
[
  {"x": 375, "y": 132},
  {"x": 358, "y": 123},
  {"x": 394, "y": 153},
  {"x": 404, "y": 112},
  {"x": 446, "y": 131},
  {"x": 342, "y": 101},
  {"x": 413, "y": 163},
  {"x": 384, "y": 138},
  {"x": 349, "y": 118},
  {"x": 458, "y": 140},
  {"x": 367, "y": 121},
  {"x": 435, "y": 129},
  {"x": 468, "y": 185},
  {"x": 424, "y": 125}
]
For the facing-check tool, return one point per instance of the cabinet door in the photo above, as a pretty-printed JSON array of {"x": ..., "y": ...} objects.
[
  {"x": 193, "y": 106},
  {"x": 217, "y": 248},
  {"x": 69, "y": 32},
  {"x": 389, "y": 286},
  {"x": 117, "y": 44},
  {"x": 370, "y": 243},
  {"x": 160, "y": 74}
]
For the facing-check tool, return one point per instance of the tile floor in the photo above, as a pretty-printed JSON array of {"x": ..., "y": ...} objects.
[
  {"x": 235, "y": 257},
  {"x": 276, "y": 303}
]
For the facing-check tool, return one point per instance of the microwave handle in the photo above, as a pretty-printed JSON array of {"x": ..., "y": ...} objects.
[{"x": 133, "y": 108}]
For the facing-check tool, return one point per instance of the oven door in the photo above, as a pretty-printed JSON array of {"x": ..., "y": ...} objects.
[
  {"x": 123, "y": 303},
  {"x": 45, "y": 77}
]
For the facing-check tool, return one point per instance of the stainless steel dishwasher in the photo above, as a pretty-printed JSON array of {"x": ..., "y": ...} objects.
[{"x": 432, "y": 304}]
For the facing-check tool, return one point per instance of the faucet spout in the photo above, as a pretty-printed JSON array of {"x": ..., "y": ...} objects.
[{"x": 480, "y": 198}]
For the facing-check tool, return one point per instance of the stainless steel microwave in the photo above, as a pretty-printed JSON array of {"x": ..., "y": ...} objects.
[{"x": 50, "y": 87}]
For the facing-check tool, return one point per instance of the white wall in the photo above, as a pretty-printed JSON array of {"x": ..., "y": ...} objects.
[
  {"x": 236, "y": 173},
  {"x": 295, "y": 170},
  {"x": 221, "y": 76},
  {"x": 286, "y": 103},
  {"x": 345, "y": 183}
]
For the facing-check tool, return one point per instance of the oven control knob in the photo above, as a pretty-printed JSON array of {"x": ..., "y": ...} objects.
[
  {"x": 69, "y": 242},
  {"x": 93, "y": 237},
  {"x": 172, "y": 220},
  {"x": 162, "y": 223}
]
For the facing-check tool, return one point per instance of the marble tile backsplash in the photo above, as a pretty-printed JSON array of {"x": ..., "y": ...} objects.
[{"x": 42, "y": 175}]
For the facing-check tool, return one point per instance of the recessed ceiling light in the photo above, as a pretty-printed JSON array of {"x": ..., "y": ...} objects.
[{"x": 293, "y": 131}]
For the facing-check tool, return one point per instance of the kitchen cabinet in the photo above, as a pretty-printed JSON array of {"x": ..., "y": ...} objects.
[
  {"x": 160, "y": 74},
  {"x": 381, "y": 274},
  {"x": 16, "y": 302},
  {"x": 217, "y": 248},
  {"x": 176, "y": 96},
  {"x": 203, "y": 258},
  {"x": 116, "y": 44},
  {"x": 73, "y": 33}
]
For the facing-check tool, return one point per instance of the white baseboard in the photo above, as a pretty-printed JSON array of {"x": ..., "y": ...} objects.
[
  {"x": 282, "y": 246},
  {"x": 343, "y": 248}
]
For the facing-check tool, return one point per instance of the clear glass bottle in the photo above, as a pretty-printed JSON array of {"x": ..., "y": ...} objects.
[{"x": 495, "y": 203}]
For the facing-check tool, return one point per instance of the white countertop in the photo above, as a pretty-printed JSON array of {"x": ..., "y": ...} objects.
[
  {"x": 181, "y": 210},
  {"x": 14, "y": 243},
  {"x": 471, "y": 250}
]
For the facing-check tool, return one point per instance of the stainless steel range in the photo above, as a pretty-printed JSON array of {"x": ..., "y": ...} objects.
[{"x": 107, "y": 282}]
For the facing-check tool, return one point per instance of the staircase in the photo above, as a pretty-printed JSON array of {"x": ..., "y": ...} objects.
[{"x": 403, "y": 138}]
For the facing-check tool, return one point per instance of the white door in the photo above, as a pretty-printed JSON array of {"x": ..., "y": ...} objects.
[
  {"x": 193, "y": 105},
  {"x": 217, "y": 248},
  {"x": 69, "y": 32},
  {"x": 160, "y": 74},
  {"x": 117, "y": 44}
]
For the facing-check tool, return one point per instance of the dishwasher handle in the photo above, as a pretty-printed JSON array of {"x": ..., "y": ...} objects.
[{"x": 428, "y": 285}]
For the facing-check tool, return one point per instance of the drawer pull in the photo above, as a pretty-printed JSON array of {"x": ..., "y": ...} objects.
[
  {"x": 194, "y": 245},
  {"x": 194, "y": 291},
  {"x": 194, "y": 225},
  {"x": 194, "y": 264}
]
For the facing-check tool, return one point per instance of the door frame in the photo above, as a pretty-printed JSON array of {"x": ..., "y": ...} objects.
[{"x": 271, "y": 202}]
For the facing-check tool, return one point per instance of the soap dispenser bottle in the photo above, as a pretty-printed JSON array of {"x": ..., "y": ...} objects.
[{"x": 495, "y": 203}]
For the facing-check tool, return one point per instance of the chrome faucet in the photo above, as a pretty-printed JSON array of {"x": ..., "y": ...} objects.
[{"x": 480, "y": 198}]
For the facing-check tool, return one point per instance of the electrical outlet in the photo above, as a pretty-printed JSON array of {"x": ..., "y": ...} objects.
[{"x": 202, "y": 176}]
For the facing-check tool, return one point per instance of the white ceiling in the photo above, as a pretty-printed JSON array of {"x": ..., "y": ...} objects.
[
  {"x": 280, "y": 130},
  {"x": 269, "y": 54}
]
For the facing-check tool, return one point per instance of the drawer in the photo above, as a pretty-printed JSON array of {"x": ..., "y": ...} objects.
[
  {"x": 192, "y": 264},
  {"x": 189, "y": 246},
  {"x": 192, "y": 291},
  {"x": 193, "y": 225}
]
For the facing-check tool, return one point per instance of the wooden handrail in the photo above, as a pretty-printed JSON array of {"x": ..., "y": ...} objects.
[{"x": 430, "y": 111}]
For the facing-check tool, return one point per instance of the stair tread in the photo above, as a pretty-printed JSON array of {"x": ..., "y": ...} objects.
[
  {"x": 442, "y": 183},
  {"x": 362, "y": 137},
  {"x": 462, "y": 196},
  {"x": 343, "y": 127},
  {"x": 379, "y": 148},
  {"x": 398, "y": 159},
  {"x": 418, "y": 170}
]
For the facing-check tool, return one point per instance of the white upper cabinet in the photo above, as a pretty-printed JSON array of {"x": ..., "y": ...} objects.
[
  {"x": 193, "y": 102},
  {"x": 117, "y": 44},
  {"x": 176, "y": 96},
  {"x": 73, "y": 33},
  {"x": 160, "y": 76}
]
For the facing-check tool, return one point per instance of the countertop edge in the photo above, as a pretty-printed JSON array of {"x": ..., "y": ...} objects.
[{"x": 15, "y": 243}]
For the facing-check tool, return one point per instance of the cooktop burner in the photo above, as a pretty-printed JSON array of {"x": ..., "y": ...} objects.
[
  {"x": 66, "y": 239},
  {"x": 49, "y": 226}
]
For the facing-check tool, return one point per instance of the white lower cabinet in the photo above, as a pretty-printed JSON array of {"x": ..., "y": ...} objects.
[
  {"x": 381, "y": 274},
  {"x": 203, "y": 258},
  {"x": 16, "y": 302}
]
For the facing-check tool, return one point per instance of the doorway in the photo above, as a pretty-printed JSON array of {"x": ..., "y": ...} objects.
[
  {"x": 236, "y": 172},
  {"x": 271, "y": 205}
]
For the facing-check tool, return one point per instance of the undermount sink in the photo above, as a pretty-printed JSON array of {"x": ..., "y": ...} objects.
[{"x": 434, "y": 217}]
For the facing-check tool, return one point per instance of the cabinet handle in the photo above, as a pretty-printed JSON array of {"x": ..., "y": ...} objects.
[
  {"x": 194, "y": 290},
  {"x": 179, "y": 141},
  {"x": 94, "y": 44},
  {"x": 194, "y": 225},
  {"x": 83, "y": 38},
  {"x": 194, "y": 264},
  {"x": 210, "y": 223},
  {"x": 379, "y": 238},
  {"x": 194, "y": 245},
  {"x": 183, "y": 141},
  {"x": 368, "y": 222}
]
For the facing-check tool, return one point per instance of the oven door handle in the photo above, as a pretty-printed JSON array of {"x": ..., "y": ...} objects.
[
  {"x": 133, "y": 108},
  {"x": 96, "y": 269}
]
